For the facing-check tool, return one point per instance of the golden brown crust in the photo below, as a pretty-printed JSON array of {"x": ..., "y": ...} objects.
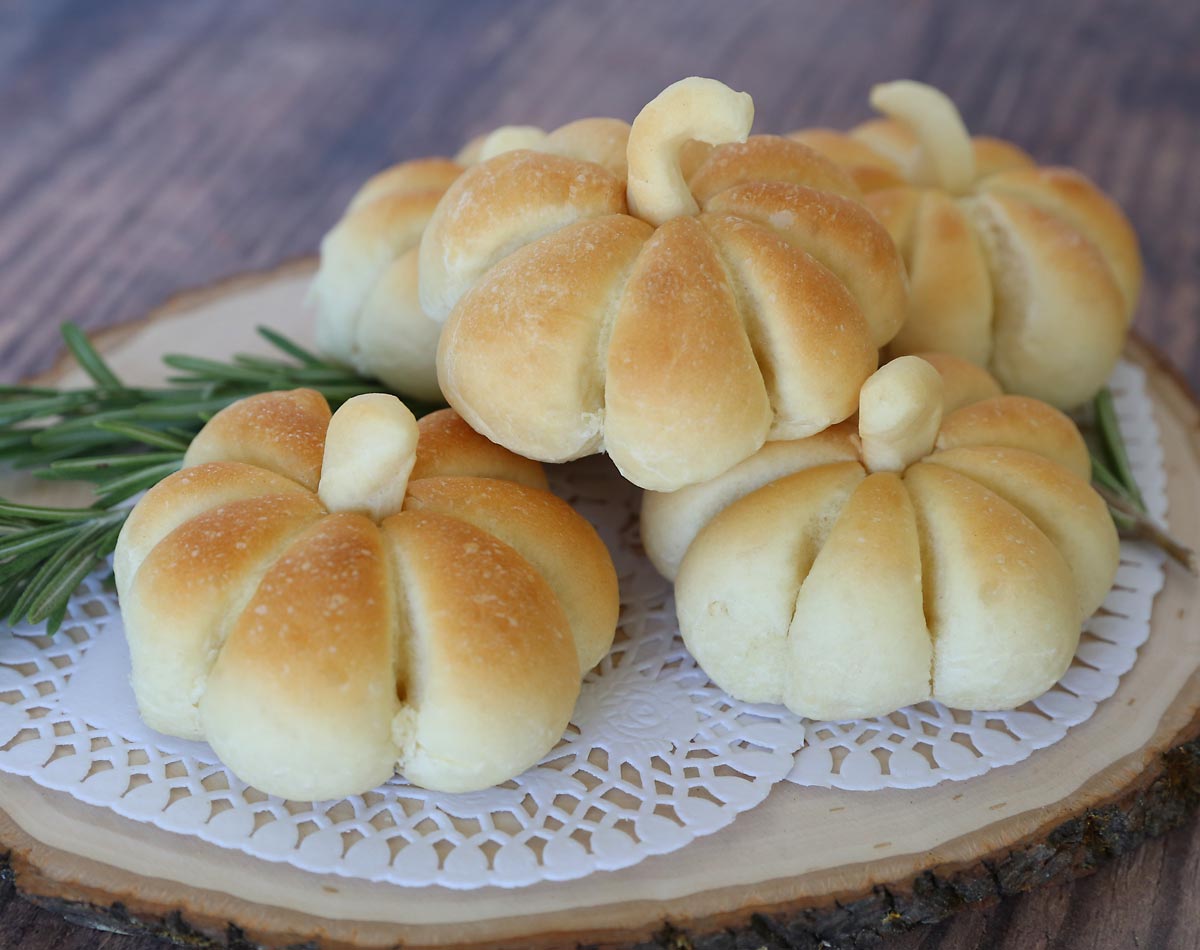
[
  {"x": 869, "y": 170},
  {"x": 768, "y": 158},
  {"x": 500, "y": 205},
  {"x": 993, "y": 156},
  {"x": 184, "y": 495},
  {"x": 448, "y": 446},
  {"x": 808, "y": 335},
  {"x": 551, "y": 536},
  {"x": 418, "y": 175},
  {"x": 179, "y": 605},
  {"x": 1060, "y": 319},
  {"x": 1032, "y": 272},
  {"x": 963, "y": 382},
  {"x": 1071, "y": 196},
  {"x": 281, "y": 432},
  {"x": 676, "y": 331},
  {"x": 1018, "y": 422},
  {"x": 574, "y": 327},
  {"x": 301, "y": 698},
  {"x": 522, "y": 355},
  {"x": 317, "y": 651},
  {"x": 1059, "y": 502},
  {"x": 598, "y": 140},
  {"x": 494, "y": 674},
  {"x": 842, "y": 234}
]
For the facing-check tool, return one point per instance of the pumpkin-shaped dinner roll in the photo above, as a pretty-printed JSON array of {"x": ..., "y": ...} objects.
[
  {"x": 1032, "y": 272},
  {"x": 676, "y": 325},
  {"x": 328, "y": 600},
  {"x": 913, "y": 555},
  {"x": 365, "y": 290}
]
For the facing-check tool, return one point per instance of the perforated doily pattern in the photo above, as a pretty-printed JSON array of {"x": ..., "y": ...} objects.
[
  {"x": 930, "y": 743},
  {"x": 655, "y": 755}
]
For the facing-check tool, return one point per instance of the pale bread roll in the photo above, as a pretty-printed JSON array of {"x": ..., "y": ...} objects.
[
  {"x": 586, "y": 311},
  {"x": 365, "y": 290},
  {"x": 368, "y": 311},
  {"x": 322, "y": 640},
  {"x": 1031, "y": 272},
  {"x": 848, "y": 574},
  {"x": 670, "y": 520}
]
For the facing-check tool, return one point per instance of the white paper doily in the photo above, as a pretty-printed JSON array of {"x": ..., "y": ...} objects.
[
  {"x": 929, "y": 743},
  {"x": 655, "y": 757}
]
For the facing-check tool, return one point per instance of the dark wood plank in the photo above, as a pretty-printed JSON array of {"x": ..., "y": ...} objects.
[{"x": 149, "y": 147}]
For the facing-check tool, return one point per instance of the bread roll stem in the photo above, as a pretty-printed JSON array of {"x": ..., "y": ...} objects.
[
  {"x": 370, "y": 449},
  {"x": 899, "y": 414},
  {"x": 509, "y": 138},
  {"x": 691, "y": 109},
  {"x": 946, "y": 158}
]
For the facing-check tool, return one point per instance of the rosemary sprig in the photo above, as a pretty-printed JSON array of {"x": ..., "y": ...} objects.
[
  {"x": 122, "y": 440},
  {"x": 1112, "y": 477}
]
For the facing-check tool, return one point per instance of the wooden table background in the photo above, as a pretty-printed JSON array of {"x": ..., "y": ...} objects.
[{"x": 149, "y": 147}]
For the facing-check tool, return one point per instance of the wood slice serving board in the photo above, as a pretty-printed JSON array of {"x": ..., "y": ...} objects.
[{"x": 807, "y": 865}]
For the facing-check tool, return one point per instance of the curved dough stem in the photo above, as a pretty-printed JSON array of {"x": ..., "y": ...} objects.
[
  {"x": 509, "y": 138},
  {"x": 694, "y": 108},
  {"x": 370, "y": 449},
  {"x": 946, "y": 157},
  {"x": 899, "y": 414}
]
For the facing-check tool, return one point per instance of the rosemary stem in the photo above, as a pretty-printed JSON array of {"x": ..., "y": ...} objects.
[{"x": 1144, "y": 528}]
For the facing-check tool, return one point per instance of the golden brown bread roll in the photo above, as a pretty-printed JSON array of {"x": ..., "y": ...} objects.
[
  {"x": 904, "y": 557},
  {"x": 676, "y": 325},
  {"x": 329, "y": 598},
  {"x": 365, "y": 290},
  {"x": 1032, "y": 272}
]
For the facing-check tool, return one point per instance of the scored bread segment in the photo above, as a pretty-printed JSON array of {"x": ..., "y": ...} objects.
[
  {"x": 841, "y": 234},
  {"x": 864, "y": 646},
  {"x": 1052, "y": 497},
  {"x": 303, "y": 693},
  {"x": 948, "y": 277},
  {"x": 1000, "y": 599},
  {"x": 279, "y": 432},
  {"x": 183, "y": 595},
  {"x": 183, "y": 496},
  {"x": 545, "y": 531},
  {"x": 797, "y": 316},
  {"x": 737, "y": 586},
  {"x": 493, "y": 672},
  {"x": 466, "y": 236},
  {"x": 543, "y": 314},
  {"x": 679, "y": 362},
  {"x": 1021, "y": 423},
  {"x": 1050, "y": 286}
]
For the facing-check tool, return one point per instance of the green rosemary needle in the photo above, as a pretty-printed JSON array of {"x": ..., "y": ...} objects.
[
  {"x": 122, "y": 440},
  {"x": 1112, "y": 477}
]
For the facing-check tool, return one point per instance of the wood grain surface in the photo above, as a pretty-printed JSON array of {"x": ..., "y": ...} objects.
[{"x": 147, "y": 147}]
